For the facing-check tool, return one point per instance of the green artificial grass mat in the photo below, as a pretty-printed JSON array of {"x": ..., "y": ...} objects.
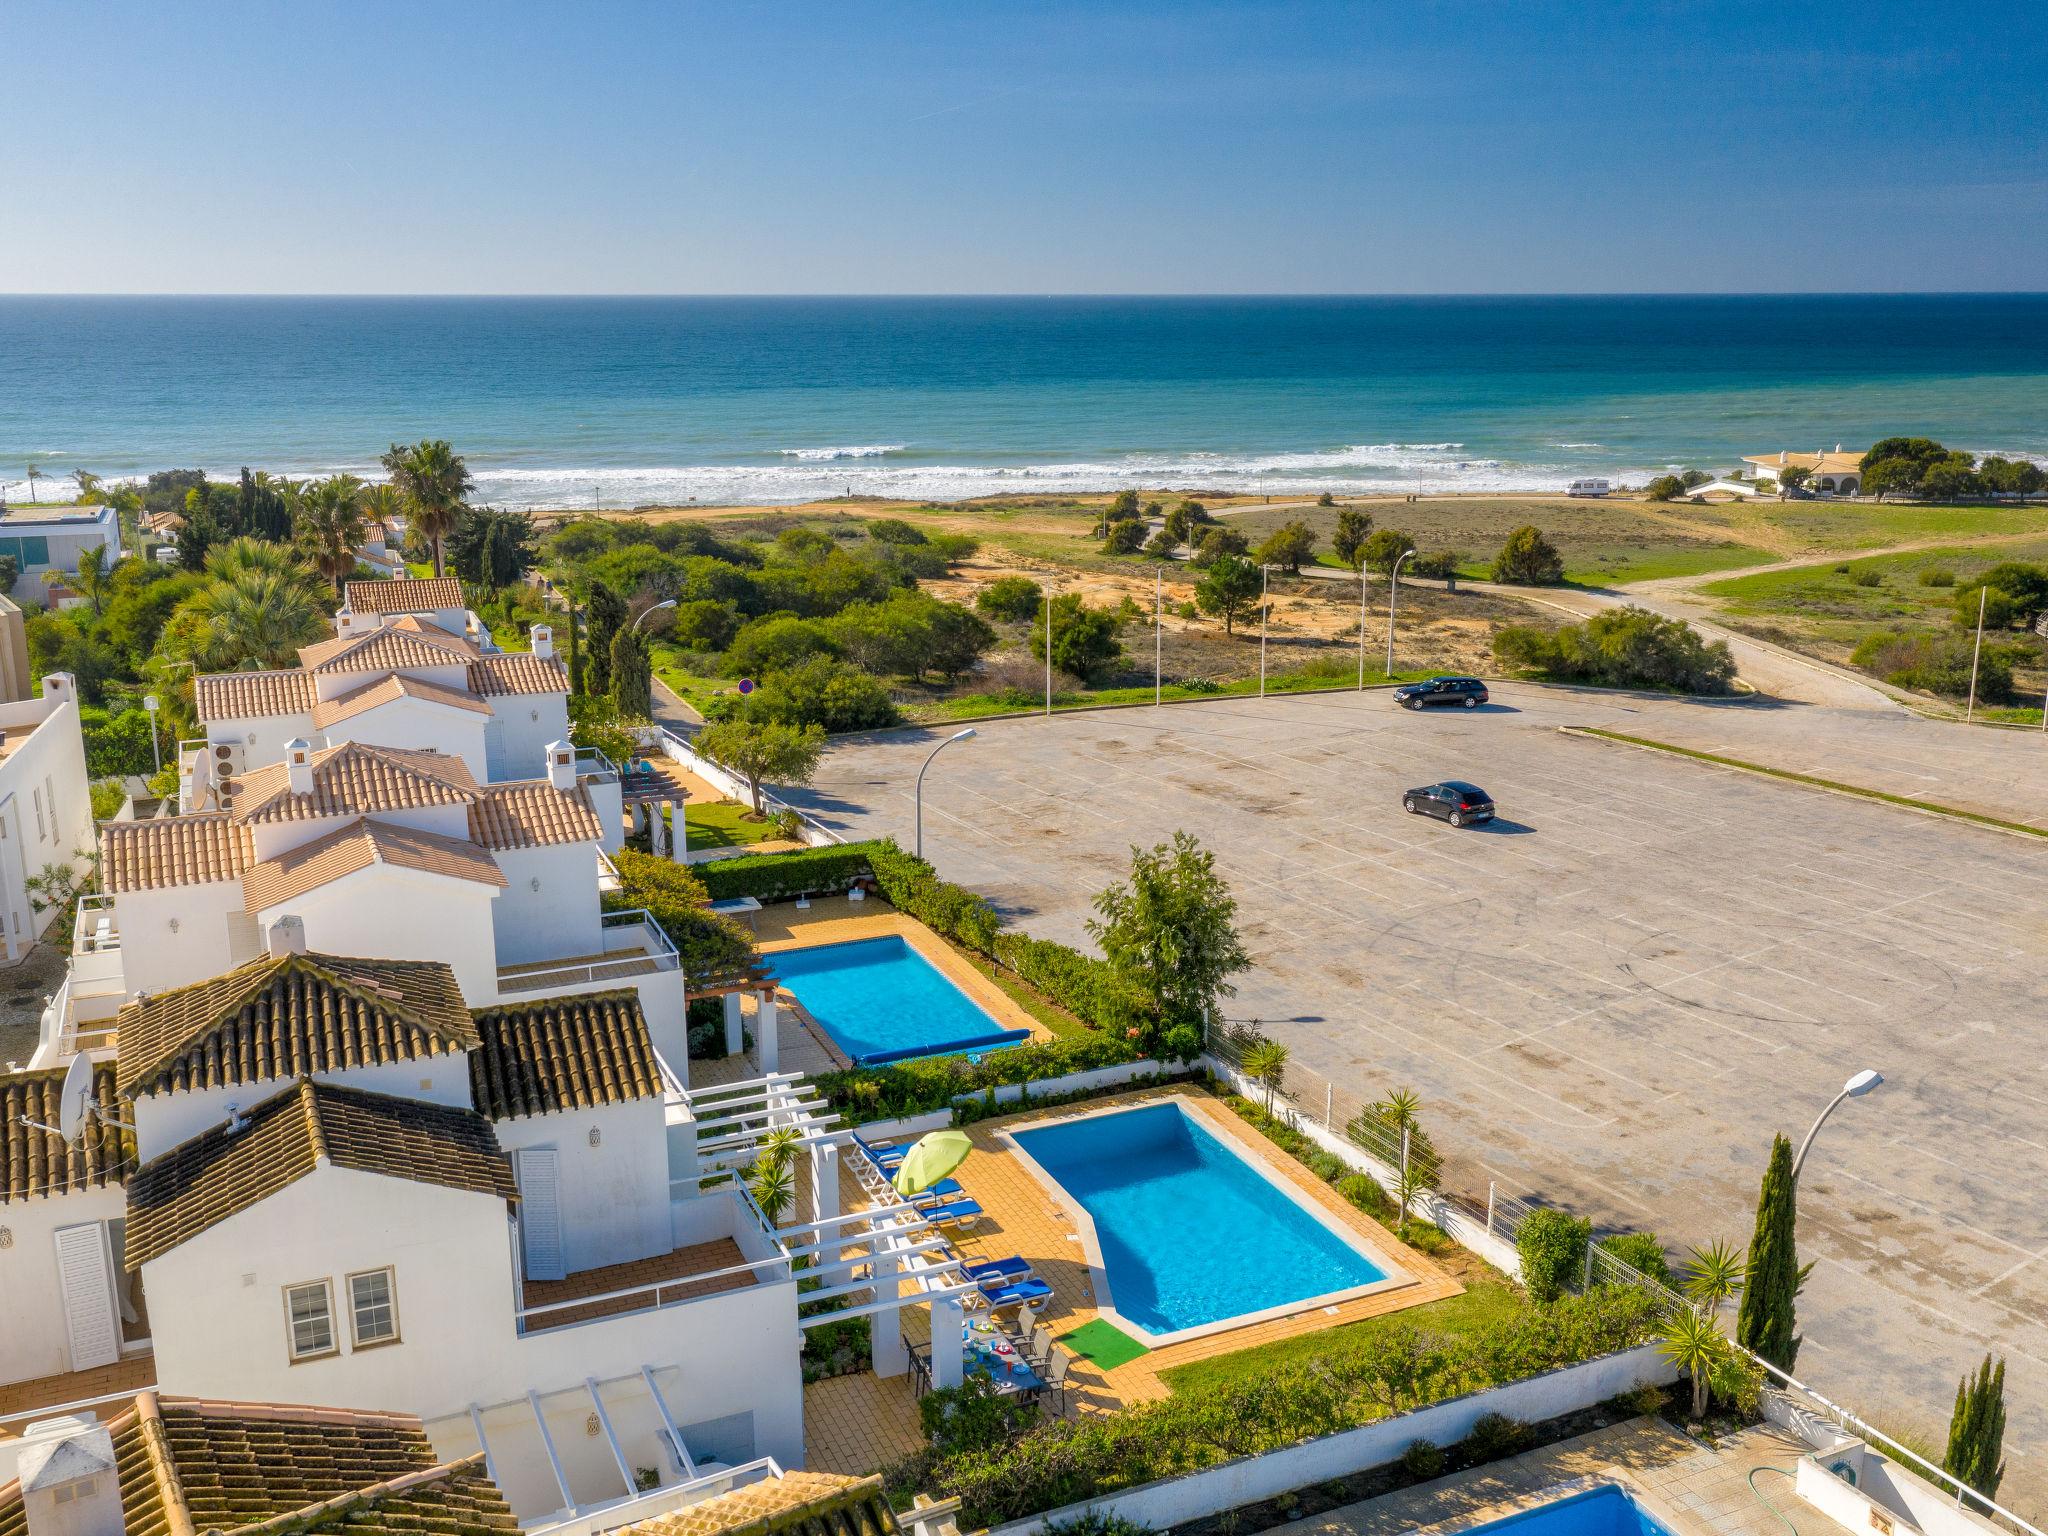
[{"x": 1104, "y": 1344}]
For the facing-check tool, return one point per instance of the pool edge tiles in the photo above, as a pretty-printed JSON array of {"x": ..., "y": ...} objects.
[
  {"x": 996, "y": 1036},
  {"x": 1547, "y": 1512},
  {"x": 1394, "y": 1274}
]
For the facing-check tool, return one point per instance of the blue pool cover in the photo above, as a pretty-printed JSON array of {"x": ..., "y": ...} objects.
[
  {"x": 881, "y": 1001},
  {"x": 1190, "y": 1233}
]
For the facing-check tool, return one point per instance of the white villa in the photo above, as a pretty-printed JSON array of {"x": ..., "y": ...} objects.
[
  {"x": 46, "y": 541},
  {"x": 45, "y": 808},
  {"x": 1837, "y": 473}
]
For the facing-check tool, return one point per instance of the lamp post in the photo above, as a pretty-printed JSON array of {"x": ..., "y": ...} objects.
[
  {"x": 1263, "y": 569},
  {"x": 1361, "y": 625},
  {"x": 156, "y": 755},
  {"x": 1048, "y": 653},
  {"x": 1855, "y": 1088},
  {"x": 919, "y": 797},
  {"x": 666, "y": 602},
  {"x": 1393, "y": 594},
  {"x": 1158, "y": 621}
]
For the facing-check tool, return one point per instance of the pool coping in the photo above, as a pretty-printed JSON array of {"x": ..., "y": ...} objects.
[
  {"x": 1001, "y": 1038},
  {"x": 1395, "y": 1274},
  {"x": 1616, "y": 1478}
]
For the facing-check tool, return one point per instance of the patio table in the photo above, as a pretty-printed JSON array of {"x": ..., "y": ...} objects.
[{"x": 1009, "y": 1373}]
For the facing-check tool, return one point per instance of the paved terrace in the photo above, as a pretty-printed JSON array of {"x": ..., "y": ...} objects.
[{"x": 1614, "y": 996}]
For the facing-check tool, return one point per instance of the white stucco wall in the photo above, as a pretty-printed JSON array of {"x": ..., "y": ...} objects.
[
  {"x": 332, "y": 685},
  {"x": 614, "y": 1196},
  {"x": 33, "y": 1341},
  {"x": 560, "y": 919},
  {"x": 402, "y": 914},
  {"x": 45, "y": 806},
  {"x": 416, "y": 725},
  {"x": 162, "y": 1120},
  {"x": 270, "y": 839},
  {"x": 154, "y": 956},
  {"x": 524, "y": 725},
  {"x": 261, "y": 739}
]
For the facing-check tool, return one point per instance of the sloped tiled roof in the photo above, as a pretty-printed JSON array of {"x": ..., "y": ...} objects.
[
  {"x": 171, "y": 851},
  {"x": 35, "y": 1163},
  {"x": 518, "y": 672},
  {"x": 564, "y": 1053},
  {"x": 289, "y": 1016},
  {"x": 409, "y": 594},
  {"x": 404, "y": 644},
  {"x": 532, "y": 813},
  {"x": 191, "y": 1468},
  {"x": 388, "y": 690},
  {"x": 252, "y": 695},
  {"x": 806, "y": 1503},
  {"x": 222, "y": 1172},
  {"x": 358, "y": 846},
  {"x": 355, "y": 779}
]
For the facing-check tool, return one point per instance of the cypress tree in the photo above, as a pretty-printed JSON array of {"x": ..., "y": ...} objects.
[
  {"x": 632, "y": 689},
  {"x": 575, "y": 651},
  {"x": 1766, "y": 1324},
  {"x": 1976, "y": 1431},
  {"x": 606, "y": 613}
]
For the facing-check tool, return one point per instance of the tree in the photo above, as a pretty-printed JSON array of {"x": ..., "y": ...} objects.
[
  {"x": 1713, "y": 1274},
  {"x": 89, "y": 580},
  {"x": 1953, "y": 478},
  {"x": 1122, "y": 507},
  {"x": 1217, "y": 543},
  {"x": 1353, "y": 529},
  {"x": 604, "y": 614},
  {"x": 1291, "y": 545},
  {"x": 1229, "y": 590},
  {"x": 254, "y": 614},
  {"x": 1384, "y": 548},
  {"x": 2025, "y": 585},
  {"x": 1126, "y": 537},
  {"x": 432, "y": 482},
  {"x": 1791, "y": 477},
  {"x": 1693, "y": 1342},
  {"x": 1665, "y": 488},
  {"x": 1266, "y": 1065},
  {"x": 957, "y": 640},
  {"x": 35, "y": 473},
  {"x": 1692, "y": 477},
  {"x": 761, "y": 749},
  {"x": 632, "y": 685},
  {"x": 1528, "y": 560},
  {"x": 1010, "y": 599},
  {"x": 1976, "y": 1431},
  {"x": 199, "y": 532},
  {"x": 10, "y": 573},
  {"x": 1161, "y": 545},
  {"x": 1767, "y": 1324},
  {"x": 491, "y": 547},
  {"x": 328, "y": 523},
  {"x": 89, "y": 493},
  {"x": 1899, "y": 464},
  {"x": 1170, "y": 932},
  {"x": 1084, "y": 639},
  {"x": 822, "y": 692},
  {"x": 2012, "y": 477}
]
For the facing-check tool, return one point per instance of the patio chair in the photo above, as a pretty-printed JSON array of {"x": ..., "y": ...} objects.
[
  {"x": 999, "y": 1271},
  {"x": 920, "y": 1368},
  {"x": 1038, "y": 1350},
  {"x": 1055, "y": 1376},
  {"x": 1021, "y": 1293},
  {"x": 881, "y": 1154},
  {"x": 939, "y": 1193},
  {"x": 963, "y": 1212}
]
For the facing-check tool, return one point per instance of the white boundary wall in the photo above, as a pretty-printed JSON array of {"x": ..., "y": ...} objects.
[
  {"x": 728, "y": 782},
  {"x": 1252, "y": 1478}
]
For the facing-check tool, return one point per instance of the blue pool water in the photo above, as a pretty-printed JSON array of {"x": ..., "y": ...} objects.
[
  {"x": 1603, "y": 1511},
  {"x": 1190, "y": 1233},
  {"x": 881, "y": 1001}
]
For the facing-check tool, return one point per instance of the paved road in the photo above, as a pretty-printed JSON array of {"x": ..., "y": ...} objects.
[{"x": 1614, "y": 997}]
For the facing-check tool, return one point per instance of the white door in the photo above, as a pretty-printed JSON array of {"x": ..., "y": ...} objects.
[
  {"x": 85, "y": 1272},
  {"x": 540, "y": 1212}
]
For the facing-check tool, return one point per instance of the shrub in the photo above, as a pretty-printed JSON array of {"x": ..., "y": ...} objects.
[
  {"x": 778, "y": 641},
  {"x": 1665, "y": 488},
  {"x": 1999, "y": 609},
  {"x": 1493, "y": 1436},
  {"x": 1641, "y": 1252},
  {"x": 706, "y": 942},
  {"x": 1125, "y": 538},
  {"x": 893, "y": 530},
  {"x": 1622, "y": 648},
  {"x": 1364, "y": 1191},
  {"x": 1084, "y": 639},
  {"x": 1528, "y": 560},
  {"x": 779, "y": 876},
  {"x": 1552, "y": 1247},
  {"x": 972, "y": 1416},
  {"x": 1382, "y": 548},
  {"x": 1439, "y": 565},
  {"x": 1290, "y": 546},
  {"x": 1870, "y": 578},
  {"x": 1422, "y": 1460},
  {"x": 1937, "y": 576},
  {"x": 1010, "y": 599},
  {"x": 1218, "y": 542},
  {"x": 825, "y": 693},
  {"x": 1936, "y": 662}
]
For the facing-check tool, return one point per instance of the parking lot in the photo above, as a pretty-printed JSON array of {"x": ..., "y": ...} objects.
[{"x": 1615, "y": 994}]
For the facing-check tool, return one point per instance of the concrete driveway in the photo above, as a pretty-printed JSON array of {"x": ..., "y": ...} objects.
[{"x": 1614, "y": 996}]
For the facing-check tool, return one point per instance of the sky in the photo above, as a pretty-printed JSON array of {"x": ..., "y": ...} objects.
[{"x": 1381, "y": 146}]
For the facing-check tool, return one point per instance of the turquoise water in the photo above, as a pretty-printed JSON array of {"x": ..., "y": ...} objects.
[
  {"x": 1190, "y": 1233},
  {"x": 881, "y": 1001},
  {"x": 1602, "y": 1511},
  {"x": 575, "y": 402}
]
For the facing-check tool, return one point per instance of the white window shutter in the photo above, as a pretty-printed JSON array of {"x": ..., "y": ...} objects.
[
  {"x": 85, "y": 1272},
  {"x": 540, "y": 1212}
]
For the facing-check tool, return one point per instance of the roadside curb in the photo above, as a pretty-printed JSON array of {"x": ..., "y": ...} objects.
[{"x": 1828, "y": 786}]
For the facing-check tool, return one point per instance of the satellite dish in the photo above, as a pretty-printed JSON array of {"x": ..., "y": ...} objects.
[{"x": 74, "y": 1098}]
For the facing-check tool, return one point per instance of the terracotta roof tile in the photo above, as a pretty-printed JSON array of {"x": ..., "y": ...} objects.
[
  {"x": 253, "y": 695},
  {"x": 565, "y": 1053},
  {"x": 808, "y": 1503},
  {"x": 290, "y": 1016},
  {"x": 355, "y": 779},
  {"x": 260, "y": 1469},
  {"x": 388, "y": 649},
  {"x": 358, "y": 846},
  {"x": 409, "y": 594},
  {"x": 222, "y": 1172},
  {"x": 532, "y": 813},
  {"x": 35, "y": 1163},
  {"x": 172, "y": 851},
  {"x": 390, "y": 689},
  {"x": 518, "y": 672}
]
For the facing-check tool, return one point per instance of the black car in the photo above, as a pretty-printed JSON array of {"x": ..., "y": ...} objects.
[
  {"x": 1454, "y": 801},
  {"x": 1468, "y": 691}
]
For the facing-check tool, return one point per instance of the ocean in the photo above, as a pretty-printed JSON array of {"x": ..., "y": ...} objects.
[{"x": 631, "y": 402}]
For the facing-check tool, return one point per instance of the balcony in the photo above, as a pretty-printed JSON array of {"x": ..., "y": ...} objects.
[{"x": 634, "y": 946}]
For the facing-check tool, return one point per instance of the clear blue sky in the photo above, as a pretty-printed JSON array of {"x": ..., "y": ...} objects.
[{"x": 1393, "y": 146}]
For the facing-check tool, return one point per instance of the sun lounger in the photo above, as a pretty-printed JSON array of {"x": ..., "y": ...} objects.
[
  {"x": 880, "y": 1153},
  {"x": 1022, "y": 1293},
  {"x": 944, "y": 1190},
  {"x": 998, "y": 1271},
  {"x": 963, "y": 1212}
]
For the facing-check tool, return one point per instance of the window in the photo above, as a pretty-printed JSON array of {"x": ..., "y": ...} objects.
[
  {"x": 373, "y": 1308},
  {"x": 50, "y": 798},
  {"x": 309, "y": 1312},
  {"x": 37, "y": 795}
]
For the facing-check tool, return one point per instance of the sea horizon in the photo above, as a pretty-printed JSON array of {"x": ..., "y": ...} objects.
[{"x": 567, "y": 401}]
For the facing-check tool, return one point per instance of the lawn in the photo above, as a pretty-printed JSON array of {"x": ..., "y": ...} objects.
[
  {"x": 726, "y": 824},
  {"x": 1483, "y": 1301},
  {"x": 1319, "y": 676}
]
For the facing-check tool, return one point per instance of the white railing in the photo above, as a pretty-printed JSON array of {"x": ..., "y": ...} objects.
[
  {"x": 658, "y": 953},
  {"x": 93, "y": 931},
  {"x": 650, "y": 1298},
  {"x": 608, "y": 876},
  {"x": 75, "y": 1406}
]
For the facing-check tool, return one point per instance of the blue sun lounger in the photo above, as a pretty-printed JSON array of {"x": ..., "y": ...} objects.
[
  {"x": 941, "y": 1192},
  {"x": 999, "y": 1271},
  {"x": 1019, "y": 1293},
  {"x": 964, "y": 1212},
  {"x": 884, "y": 1157}
]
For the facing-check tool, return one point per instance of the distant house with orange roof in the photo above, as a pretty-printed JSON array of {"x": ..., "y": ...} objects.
[{"x": 1837, "y": 473}]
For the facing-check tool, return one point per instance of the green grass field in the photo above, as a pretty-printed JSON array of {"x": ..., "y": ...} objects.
[{"x": 726, "y": 824}]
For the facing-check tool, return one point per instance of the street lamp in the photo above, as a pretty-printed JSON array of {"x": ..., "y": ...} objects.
[
  {"x": 1855, "y": 1088},
  {"x": 1263, "y": 569},
  {"x": 1158, "y": 621},
  {"x": 1393, "y": 593},
  {"x": 156, "y": 755},
  {"x": 666, "y": 602},
  {"x": 935, "y": 751}
]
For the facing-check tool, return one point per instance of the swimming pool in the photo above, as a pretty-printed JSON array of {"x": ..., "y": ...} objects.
[
  {"x": 1188, "y": 1236},
  {"x": 1605, "y": 1510},
  {"x": 881, "y": 1001}
]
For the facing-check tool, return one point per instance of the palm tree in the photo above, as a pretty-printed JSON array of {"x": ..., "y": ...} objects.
[
  {"x": 432, "y": 481},
  {"x": 1713, "y": 1274},
  {"x": 1266, "y": 1063},
  {"x": 328, "y": 518},
  {"x": 1693, "y": 1342},
  {"x": 262, "y": 606},
  {"x": 88, "y": 485},
  {"x": 381, "y": 504},
  {"x": 35, "y": 473},
  {"x": 772, "y": 1181},
  {"x": 90, "y": 579},
  {"x": 247, "y": 557}
]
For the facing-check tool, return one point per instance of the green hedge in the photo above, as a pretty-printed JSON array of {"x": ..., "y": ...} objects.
[
  {"x": 706, "y": 942},
  {"x": 1379, "y": 1374},
  {"x": 934, "y": 1082},
  {"x": 780, "y": 876}
]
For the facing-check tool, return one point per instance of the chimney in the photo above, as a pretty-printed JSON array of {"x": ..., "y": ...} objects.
[
  {"x": 69, "y": 1482},
  {"x": 287, "y": 936},
  {"x": 298, "y": 762},
  {"x": 561, "y": 765},
  {"x": 543, "y": 639},
  {"x": 60, "y": 688}
]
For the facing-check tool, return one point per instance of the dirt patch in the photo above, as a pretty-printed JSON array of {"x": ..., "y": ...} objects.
[{"x": 25, "y": 988}]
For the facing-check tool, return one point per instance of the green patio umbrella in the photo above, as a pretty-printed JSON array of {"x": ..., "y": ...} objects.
[{"x": 934, "y": 1155}]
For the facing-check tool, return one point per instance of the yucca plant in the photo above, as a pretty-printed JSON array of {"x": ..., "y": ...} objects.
[
  {"x": 1694, "y": 1343},
  {"x": 1266, "y": 1063},
  {"x": 1713, "y": 1274}
]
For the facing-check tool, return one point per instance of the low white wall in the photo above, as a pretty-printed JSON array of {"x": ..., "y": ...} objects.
[
  {"x": 1252, "y": 1478},
  {"x": 727, "y": 782},
  {"x": 1430, "y": 1206},
  {"x": 1883, "y": 1494}
]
